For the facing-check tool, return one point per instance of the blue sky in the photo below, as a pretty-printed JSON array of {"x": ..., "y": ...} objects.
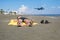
[{"x": 51, "y": 6}]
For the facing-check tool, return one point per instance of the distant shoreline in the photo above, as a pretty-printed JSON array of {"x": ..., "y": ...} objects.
[
  {"x": 46, "y": 15},
  {"x": 40, "y": 15}
]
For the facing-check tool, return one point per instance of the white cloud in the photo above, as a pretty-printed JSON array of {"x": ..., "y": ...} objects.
[
  {"x": 58, "y": 7},
  {"x": 23, "y": 9}
]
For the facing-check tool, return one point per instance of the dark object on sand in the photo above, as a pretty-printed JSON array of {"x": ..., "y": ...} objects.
[
  {"x": 46, "y": 22},
  {"x": 19, "y": 26},
  {"x": 30, "y": 25},
  {"x": 42, "y": 22}
]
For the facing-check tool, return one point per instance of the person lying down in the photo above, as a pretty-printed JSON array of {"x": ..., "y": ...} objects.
[{"x": 21, "y": 19}]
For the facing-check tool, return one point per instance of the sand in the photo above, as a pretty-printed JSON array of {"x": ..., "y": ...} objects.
[{"x": 49, "y": 31}]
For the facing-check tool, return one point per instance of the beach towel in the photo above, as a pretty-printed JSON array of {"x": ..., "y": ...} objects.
[{"x": 14, "y": 22}]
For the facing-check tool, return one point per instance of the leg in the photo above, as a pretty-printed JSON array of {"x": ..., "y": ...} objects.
[
  {"x": 19, "y": 22},
  {"x": 28, "y": 22}
]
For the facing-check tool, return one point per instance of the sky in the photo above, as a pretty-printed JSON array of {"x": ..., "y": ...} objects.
[{"x": 27, "y": 6}]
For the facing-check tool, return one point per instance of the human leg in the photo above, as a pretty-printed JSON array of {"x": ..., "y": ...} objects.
[
  {"x": 19, "y": 22},
  {"x": 28, "y": 22}
]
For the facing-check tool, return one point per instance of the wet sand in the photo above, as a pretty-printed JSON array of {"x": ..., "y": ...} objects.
[{"x": 49, "y": 31}]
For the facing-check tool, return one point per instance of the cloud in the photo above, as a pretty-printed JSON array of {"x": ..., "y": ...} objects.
[
  {"x": 23, "y": 9},
  {"x": 58, "y": 7},
  {"x": 26, "y": 10}
]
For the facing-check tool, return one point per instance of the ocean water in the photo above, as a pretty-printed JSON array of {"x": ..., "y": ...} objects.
[{"x": 46, "y": 14}]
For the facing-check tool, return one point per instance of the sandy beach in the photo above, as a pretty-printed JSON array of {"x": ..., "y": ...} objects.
[{"x": 49, "y": 31}]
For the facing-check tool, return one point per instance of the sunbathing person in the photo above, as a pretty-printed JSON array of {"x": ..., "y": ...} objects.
[{"x": 27, "y": 21}]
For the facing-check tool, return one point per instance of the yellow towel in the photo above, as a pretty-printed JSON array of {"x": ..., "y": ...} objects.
[{"x": 14, "y": 22}]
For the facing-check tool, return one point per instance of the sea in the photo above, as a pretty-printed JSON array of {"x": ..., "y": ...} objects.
[{"x": 46, "y": 14}]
